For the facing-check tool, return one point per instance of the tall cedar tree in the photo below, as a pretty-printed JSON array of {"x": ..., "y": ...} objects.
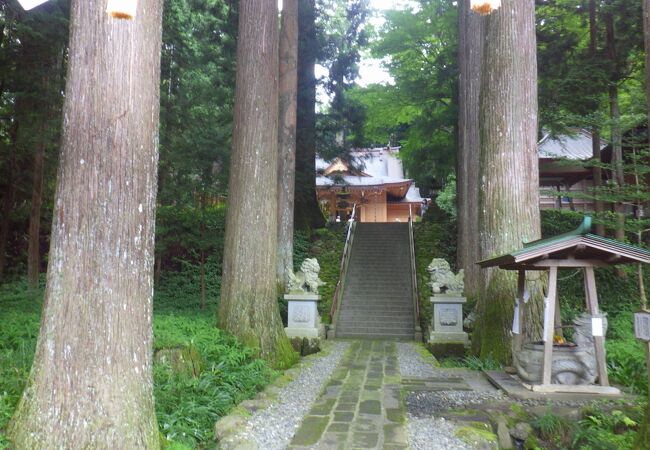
[
  {"x": 509, "y": 186},
  {"x": 470, "y": 54},
  {"x": 307, "y": 213},
  {"x": 287, "y": 138},
  {"x": 91, "y": 381},
  {"x": 249, "y": 307},
  {"x": 643, "y": 436}
]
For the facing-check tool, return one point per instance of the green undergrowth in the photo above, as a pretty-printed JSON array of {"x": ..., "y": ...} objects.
[
  {"x": 435, "y": 237},
  {"x": 326, "y": 245},
  {"x": 598, "y": 426},
  {"x": 187, "y": 404}
]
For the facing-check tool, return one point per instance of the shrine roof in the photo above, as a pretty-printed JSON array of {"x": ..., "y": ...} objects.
[{"x": 577, "y": 248}]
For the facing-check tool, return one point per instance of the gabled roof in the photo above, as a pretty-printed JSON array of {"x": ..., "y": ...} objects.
[
  {"x": 579, "y": 246},
  {"x": 576, "y": 146}
]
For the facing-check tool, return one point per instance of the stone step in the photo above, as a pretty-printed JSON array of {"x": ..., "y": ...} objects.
[
  {"x": 406, "y": 336},
  {"x": 376, "y": 331}
]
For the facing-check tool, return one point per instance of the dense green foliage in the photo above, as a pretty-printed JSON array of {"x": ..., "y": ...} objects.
[
  {"x": 418, "y": 112},
  {"x": 326, "y": 245},
  {"x": 435, "y": 237},
  {"x": 187, "y": 405}
]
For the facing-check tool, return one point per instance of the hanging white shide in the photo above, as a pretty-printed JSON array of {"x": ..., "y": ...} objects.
[
  {"x": 484, "y": 7},
  {"x": 122, "y": 9}
]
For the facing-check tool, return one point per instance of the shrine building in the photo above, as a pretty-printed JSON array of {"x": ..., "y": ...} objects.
[{"x": 373, "y": 180}]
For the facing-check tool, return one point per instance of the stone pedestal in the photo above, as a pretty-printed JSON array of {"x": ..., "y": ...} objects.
[
  {"x": 447, "y": 326},
  {"x": 303, "y": 318}
]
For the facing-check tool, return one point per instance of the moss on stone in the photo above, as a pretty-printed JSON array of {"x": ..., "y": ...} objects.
[{"x": 477, "y": 432}]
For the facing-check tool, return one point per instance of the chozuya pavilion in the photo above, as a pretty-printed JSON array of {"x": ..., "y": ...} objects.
[{"x": 373, "y": 180}]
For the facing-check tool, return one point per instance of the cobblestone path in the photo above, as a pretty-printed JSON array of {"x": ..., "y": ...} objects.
[{"x": 360, "y": 407}]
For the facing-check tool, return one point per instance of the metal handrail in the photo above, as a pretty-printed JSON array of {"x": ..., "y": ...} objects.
[
  {"x": 414, "y": 283},
  {"x": 344, "y": 262}
]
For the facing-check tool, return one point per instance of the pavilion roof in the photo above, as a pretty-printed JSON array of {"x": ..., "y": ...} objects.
[{"x": 577, "y": 248}]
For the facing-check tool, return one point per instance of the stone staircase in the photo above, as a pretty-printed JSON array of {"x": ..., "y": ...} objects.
[{"x": 377, "y": 298}]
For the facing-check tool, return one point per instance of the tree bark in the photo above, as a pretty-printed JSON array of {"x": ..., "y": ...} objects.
[
  {"x": 307, "y": 213},
  {"x": 470, "y": 55},
  {"x": 509, "y": 183},
  {"x": 8, "y": 200},
  {"x": 288, "y": 87},
  {"x": 249, "y": 307},
  {"x": 91, "y": 382},
  {"x": 34, "y": 241},
  {"x": 643, "y": 434},
  {"x": 615, "y": 116},
  {"x": 597, "y": 171}
]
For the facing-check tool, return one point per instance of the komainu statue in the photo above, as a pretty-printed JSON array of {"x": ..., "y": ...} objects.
[
  {"x": 443, "y": 279},
  {"x": 306, "y": 279}
]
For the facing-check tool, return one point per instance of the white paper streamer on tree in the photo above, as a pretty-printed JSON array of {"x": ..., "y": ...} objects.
[
  {"x": 122, "y": 9},
  {"x": 516, "y": 327},
  {"x": 29, "y": 4},
  {"x": 484, "y": 7},
  {"x": 597, "y": 327},
  {"x": 548, "y": 320}
]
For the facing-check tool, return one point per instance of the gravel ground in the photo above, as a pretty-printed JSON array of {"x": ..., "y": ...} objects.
[
  {"x": 433, "y": 434},
  {"x": 426, "y": 431},
  {"x": 272, "y": 428},
  {"x": 412, "y": 364},
  {"x": 426, "y": 404}
]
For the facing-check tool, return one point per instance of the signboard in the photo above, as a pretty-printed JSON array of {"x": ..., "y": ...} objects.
[{"x": 642, "y": 325}]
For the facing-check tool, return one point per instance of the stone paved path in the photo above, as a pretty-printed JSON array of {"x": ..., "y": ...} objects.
[{"x": 360, "y": 407}]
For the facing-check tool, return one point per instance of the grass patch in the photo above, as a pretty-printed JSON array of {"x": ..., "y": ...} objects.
[{"x": 186, "y": 406}]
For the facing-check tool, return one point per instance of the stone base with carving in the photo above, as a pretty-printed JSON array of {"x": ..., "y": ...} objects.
[
  {"x": 303, "y": 318},
  {"x": 447, "y": 319}
]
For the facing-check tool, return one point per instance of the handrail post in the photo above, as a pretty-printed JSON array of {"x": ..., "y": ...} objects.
[
  {"x": 414, "y": 283},
  {"x": 345, "y": 257}
]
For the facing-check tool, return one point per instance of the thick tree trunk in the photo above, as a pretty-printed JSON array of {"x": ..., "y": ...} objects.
[
  {"x": 91, "y": 381},
  {"x": 8, "y": 199},
  {"x": 307, "y": 212},
  {"x": 34, "y": 241},
  {"x": 287, "y": 139},
  {"x": 470, "y": 55},
  {"x": 615, "y": 116},
  {"x": 249, "y": 307},
  {"x": 595, "y": 130},
  {"x": 643, "y": 434},
  {"x": 509, "y": 185}
]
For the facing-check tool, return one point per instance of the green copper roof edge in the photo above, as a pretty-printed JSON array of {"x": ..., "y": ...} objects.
[
  {"x": 582, "y": 230},
  {"x": 618, "y": 243}
]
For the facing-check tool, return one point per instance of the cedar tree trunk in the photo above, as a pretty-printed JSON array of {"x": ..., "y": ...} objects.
[
  {"x": 287, "y": 138},
  {"x": 643, "y": 434},
  {"x": 91, "y": 382},
  {"x": 470, "y": 54},
  {"x": 307, "y": 212},
  {"x": 595, "y": 129},
  {"x": 34, "y": 241},
  {"x": 615, "y": 116},
  {"x": 509, "y": 183},
  {"x": 249, "y": 307}
]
